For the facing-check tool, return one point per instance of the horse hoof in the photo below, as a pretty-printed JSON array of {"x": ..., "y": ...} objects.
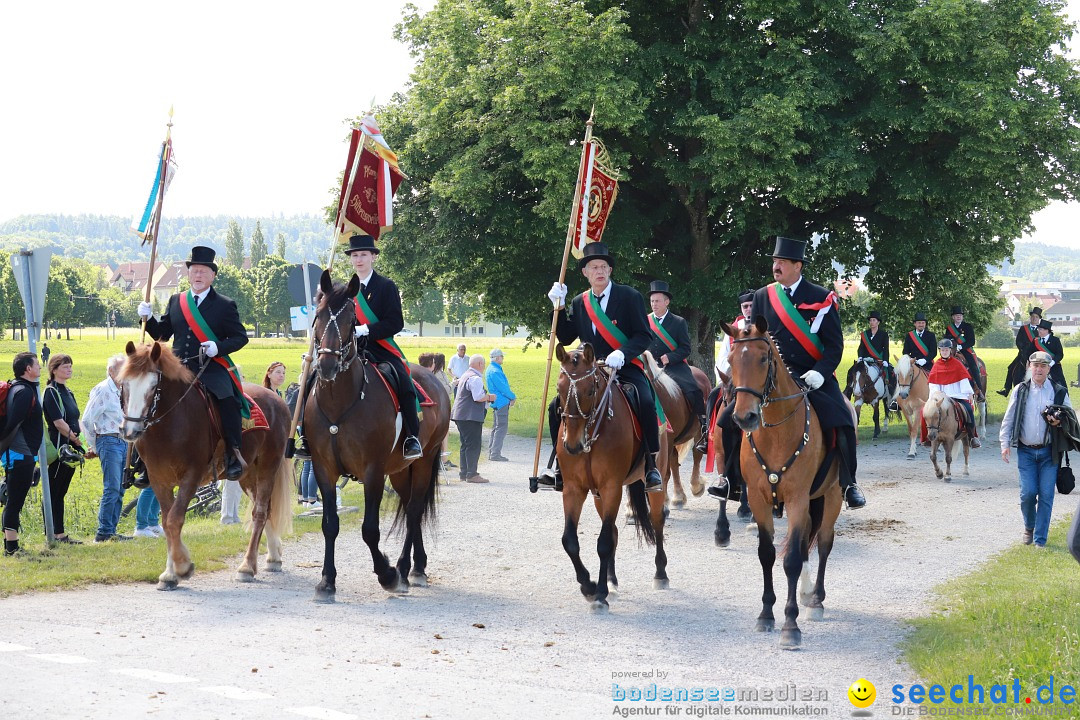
[
  {"x": 418, "y": 579},
  {"x": 390, "y": 580},
  {"x": 948, "y": 478},
  {"x": 187, "y": 573},
  {"x": 751, "y": 529},
  {"x": 660, "y": 583},
  {"x": 722, "y": 541},
  {"x": 697, "y": 489},
  {"x": 273, "y": 566},
  {"x": 245, "y": 576},
  {"x": 679, "y": 503},
  {"x": 911, "y": 456},
  {"x": 323, "y": 597},
  {"x": 599, "y": 607},
  {"x": 815, "y": 613},
  {"x": 791, "y": 638},
  {"x": 744, "y": 515},
  {"x": 765, "y": 625},
  {"x": 167, "y": 584}
]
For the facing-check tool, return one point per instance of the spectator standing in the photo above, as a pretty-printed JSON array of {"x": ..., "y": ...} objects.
[
  {"x": 275, "y": 377},
  {"x": 101, "y": 424},
  {"x": 497, "y": 383},
  {"x": 22, "y": 433},
  {"x": 470, "y": 408},
  {"x": 1025, "y": 428},
  {"x": 45, "y": 353},
  {"x": 62, "y": 417},
  {"x": 459, "y": 364},
  {"x": 439, "y": 369}
]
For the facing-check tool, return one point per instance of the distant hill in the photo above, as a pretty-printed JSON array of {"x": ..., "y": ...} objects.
[
  {"x": 1041, "y": 263},
  {"x": 108, "y": 239}
]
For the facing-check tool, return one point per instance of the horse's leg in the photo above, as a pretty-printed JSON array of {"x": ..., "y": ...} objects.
[
  {"x": 167, "y": 580},
  {"x": 795, "y": 549},
  {"x": 656, "y": 515},
  {"x": 967, "y": 453},
  {"x": 387, "y": 574},
  {"x": 326, "y": 588},
  {"x": 767, "y": 557},
  {"x": 933, "y": 458},
  {"x": 826, "y": 534},
  {"x": 260, "y": 506},
  {"x": 697, "y": 487},
  {"x": 573, "y": 500},
  {"x": 913, "y": 432},
  {"x": 948, "y": 460},
  {"x": 806, "y": 590},
  {"x": 426, "y": 493},
  {"x": 877, "y": 426},
  {"x": 744, "y": 513},
  {"x": 179, "y": 566},
  {"x": 722, "y": 533},
  {"x": 680, "y": 494}
]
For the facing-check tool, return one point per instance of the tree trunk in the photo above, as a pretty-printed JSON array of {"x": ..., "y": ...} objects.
[{"x": 421, "y": 328}]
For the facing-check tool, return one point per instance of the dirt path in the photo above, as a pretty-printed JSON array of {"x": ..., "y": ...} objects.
[{"x": 503, "y": 630}]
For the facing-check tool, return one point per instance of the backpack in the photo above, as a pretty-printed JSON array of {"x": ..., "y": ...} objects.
[{"x": 5, "y": 391}]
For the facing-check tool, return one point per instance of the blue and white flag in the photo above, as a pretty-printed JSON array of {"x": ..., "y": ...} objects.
[{"x": 144, "y": 224}]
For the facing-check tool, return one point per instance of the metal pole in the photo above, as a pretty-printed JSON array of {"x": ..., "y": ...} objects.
[{"x": 307, "y": 292}]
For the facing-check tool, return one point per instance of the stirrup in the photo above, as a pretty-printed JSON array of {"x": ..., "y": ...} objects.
[
  {"x": 411, "y": 449},
  {"x": 301, "y": 449}
]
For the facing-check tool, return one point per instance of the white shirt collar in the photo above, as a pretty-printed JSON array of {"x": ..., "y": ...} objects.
[
  {"x": 199, "y": 297},
  {"x": 605, "y": 293},
  {"x": 366, "y": 280},
  {"x": 795, "y": 285},
  {"x": 660, "y": 318}
]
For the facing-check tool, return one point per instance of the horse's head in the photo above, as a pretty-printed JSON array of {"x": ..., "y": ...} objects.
[
  {"x": 335, "y": 318},
  {"x": 934, "y": 413},
  {"x": 581, "y": 386},
  {"x": 753, "y": 361},
  {"x": 905, "y": 372},
  {"x": 141, "y": 379}
]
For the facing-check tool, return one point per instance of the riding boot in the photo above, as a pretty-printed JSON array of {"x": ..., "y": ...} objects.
[
  {"x": 410, "y": 420},
  {"x": 653, "y": 481},
  {"x": 845, "y": 444},
  {"x": 231, "y": 430},
  {"x": 234, "y": 468},
  {"x": 972, "y": 428},
  {"x": 300, "y": 449},
  {"x": 135, "y": 474},
  {"x": 702, "y": 445}
]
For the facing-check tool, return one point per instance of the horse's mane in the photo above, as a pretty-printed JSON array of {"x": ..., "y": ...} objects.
[
  {"x": 903, "y": 365},
  {"x": 171, "y": 368},
  {"x": 662, "y": 378}
]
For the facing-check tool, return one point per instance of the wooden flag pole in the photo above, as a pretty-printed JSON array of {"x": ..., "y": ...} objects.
[
  {"x": 570, "y": 231},
  {"x": 167, "y": 150}
]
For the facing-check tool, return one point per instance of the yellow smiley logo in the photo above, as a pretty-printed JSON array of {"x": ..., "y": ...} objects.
[{"x": 862, "y": 693}]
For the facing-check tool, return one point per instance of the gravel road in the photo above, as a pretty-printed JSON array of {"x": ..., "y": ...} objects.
[{"x": 503, "y": 630}]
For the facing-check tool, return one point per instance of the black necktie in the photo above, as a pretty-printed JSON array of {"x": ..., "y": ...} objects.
[
  {"x": 198, "y": 300},
  {"x": 363, "y": 288},
  {"x": 789, "y": 292},
  {"x": 599, "y": 298}
]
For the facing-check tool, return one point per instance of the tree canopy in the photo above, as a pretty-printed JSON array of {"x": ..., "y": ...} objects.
[{"x": 914, "y": 138}]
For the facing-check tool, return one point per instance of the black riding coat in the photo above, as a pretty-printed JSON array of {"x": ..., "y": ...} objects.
[
  {"x": 880, "y": 343},
  {"x": 677, "y": 366},
  {"x": 223, "y": 318},
  {"x": 929, "y": 340},
  {"x": 965, "y": 332},
  {"x": 384, "y": 300}
]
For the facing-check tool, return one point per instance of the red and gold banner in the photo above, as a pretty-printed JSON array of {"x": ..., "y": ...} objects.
[
  {"x": 369, "y": 208},
  {"x": 597, "y": 187}
]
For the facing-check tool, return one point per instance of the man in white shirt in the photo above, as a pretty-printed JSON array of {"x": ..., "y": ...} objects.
[
  {"x": 101, "y": 422},
  {"x": 458, "y": 364}
]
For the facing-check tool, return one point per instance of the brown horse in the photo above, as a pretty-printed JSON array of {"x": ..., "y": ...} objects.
[
  {"x": 592, "y": 408},
  {"x": 912, "y": 390},
  {"x": 780, "y": 458},
  {"x": 942, "y": 429},
  {"x": 353, "y": 427},
  {"x": 167, "y": 416},
  {"x": 682, "y": 429}
]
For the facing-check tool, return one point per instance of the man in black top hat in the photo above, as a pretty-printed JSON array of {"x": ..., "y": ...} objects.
[
  {"x": 226, "y": 336},
  {"x": 816, "y": 308},
  {"x": 920, "y": 344},
  {"x": 874, "y": 350},
  {"x": 1025, "y": 338},
  {"x": 1048, "y": 342},
  {"x": 670, "y": 347},
  {"x": 963, "y": 337},
  {"x": 610, "y": 317},
  {"x": 379, "y": 318}
]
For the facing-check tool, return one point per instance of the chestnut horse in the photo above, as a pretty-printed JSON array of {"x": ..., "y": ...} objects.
[
  {"x": 722, "y": 531},
  {"x": 599, "y": 451},
  {"x": 912, "y": 390},
  {"x": 353, "y": 427},
  {"x": 780, "y": 459},
  {"x": 682, "y": 430},
  {"x": 942, "y": 429},
  {"x": 168, "y": 419}
]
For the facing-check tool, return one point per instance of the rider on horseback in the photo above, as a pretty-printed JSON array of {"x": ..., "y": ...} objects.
[
  {"x": 949, "y": 376},
  {"x": 963, "y": 337},
  {"x": 921, "y": 344},
  {"x": 805, "y": 325},
  {"x": 670, "y": 347},
  {"x": 746, "y": 304},
  {"x": 610, "y": 317},
  {"x": 874, "y": 350},
  {"x": 1025, "y": 338},
  {"x": 201, "y": 319},
  {"x": 378, "y": 309}
]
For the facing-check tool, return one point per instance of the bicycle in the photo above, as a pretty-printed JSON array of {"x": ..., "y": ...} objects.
[{"x": 207, "y": 502}]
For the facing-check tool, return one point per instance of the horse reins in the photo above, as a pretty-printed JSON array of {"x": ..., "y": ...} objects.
[
  {"x": 148, "y": 420},
  {"x": 596, "y": 416},
  {"x": 342, "y": 364}
]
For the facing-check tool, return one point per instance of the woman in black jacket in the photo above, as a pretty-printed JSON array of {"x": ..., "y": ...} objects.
[
  {"x": 23, "y": 425},
  {"x": 62, "y": 416}
]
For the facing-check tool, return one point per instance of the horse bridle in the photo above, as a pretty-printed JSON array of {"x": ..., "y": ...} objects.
[
  {"x": 765, "y": 395},
  {"x": 344, "y": 357},
  {"x": 914, "y": 369},
  {"x": 148, "y": 420},
  {"x": 593, "y": 418}
]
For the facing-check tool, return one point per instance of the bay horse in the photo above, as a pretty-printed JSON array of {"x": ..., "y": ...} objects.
[
  {"x": 353, "y": 427},
  {"x": 866, "y": 385},
  {"x": 722, "y": 531},
  {"x": 683, "y": 429},
  {"x": 942, "y": 429},
  {"x": 593, "y": 407},
  {"x": 912, "y": 391},
  {"x": 781, "y": 457},
  {"x": 167, "y": 416}
]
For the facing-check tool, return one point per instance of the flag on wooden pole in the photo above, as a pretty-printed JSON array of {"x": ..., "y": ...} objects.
[
  {"x": 597, "y": 187},
  {"x": 143, "y": 225},
  {"x": 369, "y": 209}
]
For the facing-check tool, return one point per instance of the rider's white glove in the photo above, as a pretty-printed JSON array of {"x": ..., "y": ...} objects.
[
  {"x": 557, "y": 295},
  {"x": 885, "y": 363},
  {"x": 211, "y": 348},
  {"x": 813, "y": 379},
  {"x": 361, "y": 331},
  {"x": 616, "y": 360},
  {"x": 145, "y": 310},
  {"x": 921, "y": 362}
]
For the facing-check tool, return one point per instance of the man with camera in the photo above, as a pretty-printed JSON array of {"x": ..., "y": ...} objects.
[{"x": 1026, "y": 426}]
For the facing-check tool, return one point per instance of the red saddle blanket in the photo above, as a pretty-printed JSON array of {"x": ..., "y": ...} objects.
[
  {"x": 421, "y": 394},
  {"x": 256, "y": 422}
]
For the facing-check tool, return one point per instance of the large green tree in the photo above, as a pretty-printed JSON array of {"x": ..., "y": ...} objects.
[
  {"x": 424, "y": 305},
  {"x": 271, "y": 292},
  {"x": 234, "y": 245},
  {"x": 914, "y": 138},
  {"x": 259, "y": 250}
]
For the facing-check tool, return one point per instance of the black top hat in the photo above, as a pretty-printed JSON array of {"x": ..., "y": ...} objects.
[
  {"x": 746, "y": 296},
  {"x": 596, "y": 251},
  {"x": 1035, "y": 311},
  {"x": 1045, "y": 324},
  {"x": 202, "y": 255},
  {"x": 957, "y": 310},
  {"x": 920, "y": 317},
  {"x": 362, "y": 242},
  {"x": 790, "y": 249},
  {"x": 659, "y": 286},
  {"x": 874, "y": 315}
]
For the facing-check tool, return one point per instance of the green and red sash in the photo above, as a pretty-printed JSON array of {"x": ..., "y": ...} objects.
[
  {"x": 1040, "y": 344},
  {"x": 794, "y": 322},
  {"x": 202, "y": 331},
  {"x": 1027, "y": 331},
  {"x": 918, "y": 342},
  {"x": 955, "y": 333},
  {"x": 870, "y": 348},
  {"x": 365, "y": 315},
  {"x": 660, "y": 332}
]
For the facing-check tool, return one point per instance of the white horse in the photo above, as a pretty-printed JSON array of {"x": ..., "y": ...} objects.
[{"x": 867, "y": 385}]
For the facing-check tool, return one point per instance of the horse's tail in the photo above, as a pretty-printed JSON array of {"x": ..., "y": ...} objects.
[
  {"x": 281, "y": 513},
  {"x": 639, "y": 505},
  {"x": 427, "y": 515}
]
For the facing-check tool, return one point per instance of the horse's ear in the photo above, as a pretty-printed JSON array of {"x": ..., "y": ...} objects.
[
  {"x": 130, "y": 348},
  {"x": 155, "y": 352},
  {"x": 761, "y": 324},
  {"x": 560, "y": 353},
  {"x": 354, "y": 286},
  {"x": 895, "y": 359},
  {"x": 325, "y": 282},
  {"x": 728, "y": 330},
  {"x": 587, "y": 354},
  {"x": 724, "y": 377}
]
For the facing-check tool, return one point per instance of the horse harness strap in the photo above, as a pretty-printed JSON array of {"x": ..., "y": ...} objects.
[
  {"x": 774, "y": 477},
  {"x": 148, "y": 420},
  {"x": 594, "y": 418}
]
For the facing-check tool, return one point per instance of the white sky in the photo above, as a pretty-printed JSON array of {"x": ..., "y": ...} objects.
[{"x": 260, "y": 91}]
